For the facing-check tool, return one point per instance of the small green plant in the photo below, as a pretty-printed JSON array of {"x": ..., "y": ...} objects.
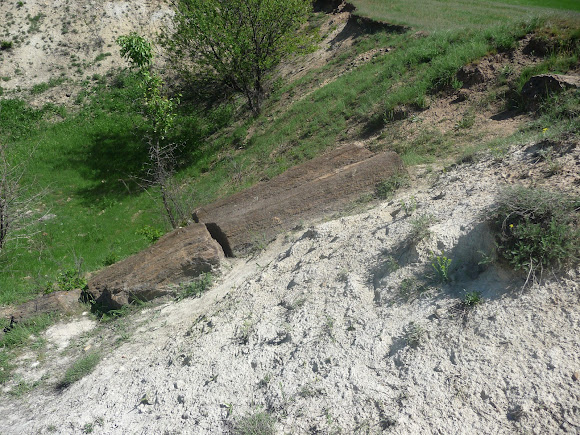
[
  {"x": 471, "y": 299},
  {"x": 342, "y": 276},
  {"x": 420, "y": 227},
  {"x": 6, "y": 45},
  {"x": 66, "y": 280},
  {"x": 150, "y": 233},
  {"x": 415, "y": 334},
  {"x": 537, "y": 229},
  {"x": 386, "y": 188},
  {"x": 245, "y": 331},
  {"x": 258, "y": 423},
  {"x": 441, "y": 264},
  {"x": 111, "y": 258},
  {"x": 101, "y": 56},
  {"x": 410, "y": 289},
  {"x": 80, "y": 369},
  {"x": 467, "y": 121},
  {"x": 196, "y": 288},
  {"x": 409, "y": 206}
]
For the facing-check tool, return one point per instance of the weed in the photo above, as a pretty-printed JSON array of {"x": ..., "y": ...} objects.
[
  {"x": 265, "y": 380},
  {"x": 441, "y": 264},
  {"x": 245, "y": 331},
  {"x": 22, "y": 388},
  {"x": 151, "y": 234},
  {"x": 42, "y": 87},
  {"x": 486, "y": 259},
  {"x": 67, "y": 280},
  {"x": 537, "y": 228},
  {"x": 102, "y": 56},
  {"x": 386, "y": 188},
  {"x": 342, "y": 276},
  {"x": 466, "y": 121},
  {"x": 409, "y": 206},
  {"x": 410, "y": 289},
  {"x": 196, "y": 288},
  {"x": 420, "y": 227},
  {"x": 111, "y": 258},
  {"x": 35, "y": 22},
  {"x": 80, "y": 369},
  {"x": 258, "y": 423},
  {"x": 471, "y": 299},
  {"x": 6, "y": 45},
  {"x": 415, "y": 334}
]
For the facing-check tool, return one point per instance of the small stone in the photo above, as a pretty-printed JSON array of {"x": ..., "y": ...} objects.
[
  {"x": 185, "y": 416},
  {"x": 576, "y": 376},
  {"x": 181, "y": 399}
]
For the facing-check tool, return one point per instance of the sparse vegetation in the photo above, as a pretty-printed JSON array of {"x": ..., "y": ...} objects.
[
  {"x": 17, "y": 336},
  {"x": 79, "y": 369},
  {"x": 6, "y": 45},
  {"x": 537, "y": 229},
  {"x": 43, "y": 87},
  {"x": 471, "y": 299},
  {"x": 420, "y": 227},
  {"x": 258, "y": 423},
  {"x": 415, "y": 334},
  {"x": 387, "y": 188},
  {"x": 196, "y": 287}
]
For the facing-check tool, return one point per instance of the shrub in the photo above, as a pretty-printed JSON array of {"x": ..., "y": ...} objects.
[
  {"x": 6, "y": 45},
  {"x": 537, "y": 228}
]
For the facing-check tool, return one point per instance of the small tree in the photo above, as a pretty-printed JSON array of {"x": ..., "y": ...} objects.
[
  {"x": 238, "y": 41},
  {"x": 159, "y": 112}
]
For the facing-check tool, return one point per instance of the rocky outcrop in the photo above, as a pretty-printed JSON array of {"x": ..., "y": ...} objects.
[
  {"x": 317, "y": 188},
  {"x": 178, "y": 256},
  {"x": 543, "y": 85}
]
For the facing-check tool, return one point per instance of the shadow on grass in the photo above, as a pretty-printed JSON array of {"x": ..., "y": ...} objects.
[{"x": 115, "y": 163}]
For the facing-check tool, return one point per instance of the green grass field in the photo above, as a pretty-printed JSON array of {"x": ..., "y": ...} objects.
[{"x": 436, "y": 15}]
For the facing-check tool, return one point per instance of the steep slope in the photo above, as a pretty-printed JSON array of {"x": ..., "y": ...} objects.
[{"x": 342, "y": 327}]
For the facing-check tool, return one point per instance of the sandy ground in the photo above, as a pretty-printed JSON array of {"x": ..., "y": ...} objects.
[{"x": 340, "y": 328}]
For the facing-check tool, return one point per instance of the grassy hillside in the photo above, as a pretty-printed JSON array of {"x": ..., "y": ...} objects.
[
  {"x": 452, "y": 14},
  {"x": 89, "y": 158}
]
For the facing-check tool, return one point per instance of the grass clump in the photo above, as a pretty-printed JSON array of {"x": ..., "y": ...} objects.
[
  {"x": 259, "y": 423},
  {"x": 471, "y": 299},
  {"x": 537, "y": 229},
  {"x": 80, "y": 369},
  {"x": 196, "y": 288},
  {"x": 386, "y": 188}
]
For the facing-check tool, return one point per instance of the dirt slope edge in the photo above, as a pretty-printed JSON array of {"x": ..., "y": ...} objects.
[{"x": 322, "y": 186}]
